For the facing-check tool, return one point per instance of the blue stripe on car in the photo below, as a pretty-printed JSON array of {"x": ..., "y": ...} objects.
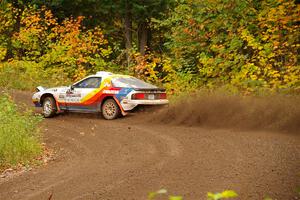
[{"x": 123, "y": 93}]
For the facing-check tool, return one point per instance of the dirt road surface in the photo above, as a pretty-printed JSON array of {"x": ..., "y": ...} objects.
[{"x": 129, "y": 157}]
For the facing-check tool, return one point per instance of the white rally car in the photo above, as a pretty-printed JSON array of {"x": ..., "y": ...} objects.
[{"x": 111, "y": 94}]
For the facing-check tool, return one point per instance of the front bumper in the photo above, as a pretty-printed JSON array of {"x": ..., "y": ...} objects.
[{"x": 37, "y": 103}]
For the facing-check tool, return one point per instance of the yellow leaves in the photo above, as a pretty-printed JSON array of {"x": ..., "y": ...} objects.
[
  {"x": 80, "y": 73},
  {"x": 250, "y": 39},
  {"x": 33, "y": 32},
  {"x": 3, "y": 52},
  {"x": 152, "y": 68},
  {"x": 280, "y": 15},
  {"x": 41, "y": 38},
  {"x": 145, "y": 69},
  {"x": 217, "y": 48},
  {"x": 292, "y": 75},
  {"x": 276, "y": 44},
  {"x": 253, "y": 77},
  {"x": 7, "y": 18},
  {"x": 252, "y": 52},
  {"x": 265, "y": 37},
  {"x": 223, "y": 195},
  {"x": 272, "y": 48},
  {"x": 274, "y": 74}
]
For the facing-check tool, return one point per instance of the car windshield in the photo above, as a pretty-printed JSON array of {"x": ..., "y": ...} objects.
[{"x": 131, "y": 82}]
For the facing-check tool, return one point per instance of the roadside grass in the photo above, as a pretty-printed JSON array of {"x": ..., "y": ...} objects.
[
  {"x": 27, "y": 75},
  {"x": 19, "y": 135}
]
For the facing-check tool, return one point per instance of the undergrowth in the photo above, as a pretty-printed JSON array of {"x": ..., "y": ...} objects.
[
  {"x": 27, "y": 75},
  {"x": 19, "y": 135}
]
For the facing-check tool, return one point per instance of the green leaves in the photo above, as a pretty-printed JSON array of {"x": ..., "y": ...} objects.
[
  {"x": 19, "y": 138},
  {"x": 175, "y": 198},
  {"x": 152, "y": 195},
  {"x": 210, "y": 196},
  {"x": 223, "y": 195},
  {"x": 41, "y": 39},
  {"x": 220, "y": 41}
]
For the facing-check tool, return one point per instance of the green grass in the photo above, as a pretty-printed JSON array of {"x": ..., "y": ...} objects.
[
  {"x": 19, "y": 136},
  {"x": 27, "y": 75}
]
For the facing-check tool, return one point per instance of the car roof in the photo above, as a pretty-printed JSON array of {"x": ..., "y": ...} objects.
[{"x": 104, "y": 75}]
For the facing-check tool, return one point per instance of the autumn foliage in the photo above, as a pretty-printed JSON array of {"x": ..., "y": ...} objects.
[
  {"x": 35, "y": 35},
  {"x": 240, "y": 44},
  {"x": 246, "y": 44}
]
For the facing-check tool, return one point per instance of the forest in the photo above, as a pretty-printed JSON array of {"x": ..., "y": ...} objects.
[
  {"x": 231, "y": 71},
  {"x": 244, "y": 46}
]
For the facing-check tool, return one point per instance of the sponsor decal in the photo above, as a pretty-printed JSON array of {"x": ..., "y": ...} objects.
[
  {"x": 110, "y": 92},
  {"x": 107, "y": 85},
  {"x": 74, "y": 100},
  {"x": 73, "y": 95}
]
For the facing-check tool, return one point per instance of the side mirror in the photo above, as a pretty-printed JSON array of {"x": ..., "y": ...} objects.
[{"x": 72, "y": 87}]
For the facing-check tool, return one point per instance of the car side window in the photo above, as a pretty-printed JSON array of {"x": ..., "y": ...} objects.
[{"x": 92, "y": 82}]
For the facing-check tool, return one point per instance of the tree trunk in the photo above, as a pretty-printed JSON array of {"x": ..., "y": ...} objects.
[
  {"x": 143, "y": 37},
  {"x": 128, "y": 31},
  {"x": 19, "y": 7}
]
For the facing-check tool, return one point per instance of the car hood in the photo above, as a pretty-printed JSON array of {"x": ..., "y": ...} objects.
[
  {"x": 42, "y": 90},
  {"x": 54, "y": 89}
]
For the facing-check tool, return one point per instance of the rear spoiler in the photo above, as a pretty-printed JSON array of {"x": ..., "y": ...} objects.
[
  {"x": 40, "y": 88},
  {"x": 150, "y": 89}
]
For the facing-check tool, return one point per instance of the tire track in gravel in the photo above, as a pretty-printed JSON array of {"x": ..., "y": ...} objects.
[
  {"x": 137, "y": 149},
  {"x": 165, "y": 149}
]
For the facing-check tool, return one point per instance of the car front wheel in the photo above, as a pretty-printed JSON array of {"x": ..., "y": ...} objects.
[
  {"x": 110, "y": 109},
  {"x": 49, "y": 107}
]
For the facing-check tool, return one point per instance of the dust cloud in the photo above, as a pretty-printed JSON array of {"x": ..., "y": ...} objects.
[{"x": 276, "y": 113}]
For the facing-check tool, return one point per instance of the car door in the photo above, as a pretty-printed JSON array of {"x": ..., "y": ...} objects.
[{"x": 81, "y": 96}]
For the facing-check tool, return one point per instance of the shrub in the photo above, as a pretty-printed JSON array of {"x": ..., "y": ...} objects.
[
  {"x": 40, "y": 38},
  {"x": 26, "y": 75},
  {"x": 247, "y": 44},
  {"x": 19, "y": 138}
]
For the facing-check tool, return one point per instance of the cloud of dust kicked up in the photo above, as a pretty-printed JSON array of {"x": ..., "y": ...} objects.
[{"x": 277, "y": 113}]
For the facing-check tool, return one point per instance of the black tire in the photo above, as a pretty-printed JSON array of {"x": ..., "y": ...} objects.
[
  {"x": 110, "y": 109},
  {"x": 49, "y": 107}
]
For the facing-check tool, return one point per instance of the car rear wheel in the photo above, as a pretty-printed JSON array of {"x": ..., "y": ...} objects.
[
  {"x": 49, "y": 107},
  {"x": 110, "y": 109}
]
